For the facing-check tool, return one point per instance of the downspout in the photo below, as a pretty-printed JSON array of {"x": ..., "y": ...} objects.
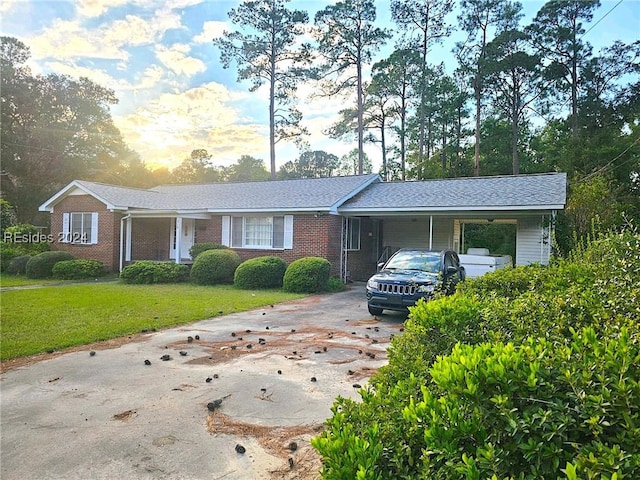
[{"x": 126, "y": 217}]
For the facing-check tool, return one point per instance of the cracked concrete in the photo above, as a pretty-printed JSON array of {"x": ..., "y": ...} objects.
[{"x": 109, "y": 415}]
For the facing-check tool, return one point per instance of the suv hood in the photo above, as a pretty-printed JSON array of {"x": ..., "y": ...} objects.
[{"x": 406, "y": 276}]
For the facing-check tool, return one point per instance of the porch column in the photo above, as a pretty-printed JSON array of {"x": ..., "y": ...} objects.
[
  {"x": 178, "y": 239},
  {"x": 127, "y": 253},
  {"x": 430, "y": 232}
]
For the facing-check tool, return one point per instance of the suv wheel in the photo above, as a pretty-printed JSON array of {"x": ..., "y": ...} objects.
[{"x": 374, "y": 310}]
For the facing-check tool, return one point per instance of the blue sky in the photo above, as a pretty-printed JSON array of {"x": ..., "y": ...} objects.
[{"x": 158, "y": 57}]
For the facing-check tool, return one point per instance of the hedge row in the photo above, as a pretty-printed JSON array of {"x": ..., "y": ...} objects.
[
  {"x": 529, "y": 373},
  {"x": 215, "y": 266}
]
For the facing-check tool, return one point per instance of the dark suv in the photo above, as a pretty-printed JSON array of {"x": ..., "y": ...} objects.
[{"x": 411, "y": 274}]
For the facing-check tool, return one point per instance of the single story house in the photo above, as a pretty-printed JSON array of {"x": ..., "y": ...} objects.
[{"x": 352, "y": 221}]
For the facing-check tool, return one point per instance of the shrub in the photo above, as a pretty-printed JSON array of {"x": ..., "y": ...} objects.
[
  {"x": 215, "y": 266},
  {"x": 147, "y": 272},
  {"x": 41, "y": 265},
  {"x": 260, "y": 272},
  {"x": 78, "y": 269},
  {"x": 335, "y": 284},
  {"x": 525, "y": 373},
  {"x": 197, "y": 248},
  {"x": 18, "y": 265},
  {"x": 307, "y": 275}
]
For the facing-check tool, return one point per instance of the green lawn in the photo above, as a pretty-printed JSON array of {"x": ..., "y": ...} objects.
[
  {"x": 21, "y": 281},
  {"x": 55, "y": 317}
]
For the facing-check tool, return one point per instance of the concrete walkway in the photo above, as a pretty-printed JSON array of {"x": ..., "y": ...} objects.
[{"x": 105, "y": 413}]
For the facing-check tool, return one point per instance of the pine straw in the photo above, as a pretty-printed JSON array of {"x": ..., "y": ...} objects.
[
  {"x": 305, "y": 341},
  {"x": 276, "y": 440}
]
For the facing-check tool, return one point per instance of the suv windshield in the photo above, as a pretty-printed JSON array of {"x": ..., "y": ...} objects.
[{"x": 422, "y": 261}]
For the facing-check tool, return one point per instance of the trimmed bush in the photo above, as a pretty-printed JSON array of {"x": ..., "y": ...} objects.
[
  {"x": 147, "y": 272},
  {"x": 213, "y": 267},
  {"x": 307, "y": 275},
  {"x": 260, "y": 272},
  {"x": 18, "y": 265},
  {"x": 197, "y": 248},
  {"x": 41, "y": 265},
  {"x": 528, "y": 373},
  {"x": 78, "y": 269}
]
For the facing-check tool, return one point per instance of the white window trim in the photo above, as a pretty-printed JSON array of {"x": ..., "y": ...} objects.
[
  {"x": 67, "y": 235},
  {"x": 227, "y": 232}
]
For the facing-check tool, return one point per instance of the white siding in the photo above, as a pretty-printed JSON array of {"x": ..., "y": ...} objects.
[
  {"x": 532, "y": 242},
  {"x": 406, "y": 233}
]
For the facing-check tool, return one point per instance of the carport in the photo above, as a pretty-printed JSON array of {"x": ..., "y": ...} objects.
[{"x": 433, "y": 214}]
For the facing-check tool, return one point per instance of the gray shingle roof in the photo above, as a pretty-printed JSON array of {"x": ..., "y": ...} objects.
[
  {"x": 519, "y": 192},
  {"x": 355, "y": 195},
  {"x": 316, "y": 194}
]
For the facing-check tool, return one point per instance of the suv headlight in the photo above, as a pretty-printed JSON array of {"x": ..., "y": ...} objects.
[
  {"x": 372, "y": 284},
  {"x": 425, "y": 288}
]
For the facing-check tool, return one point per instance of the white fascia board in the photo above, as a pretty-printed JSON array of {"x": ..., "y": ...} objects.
[
  {"x": 49, "y": 204},
  {"x": 427, "y": 210},
  {"x": 265, "y": 211},
  {"x": 195, "y": 214}
]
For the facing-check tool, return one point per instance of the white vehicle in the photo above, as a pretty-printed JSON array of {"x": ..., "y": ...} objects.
[{"x": 478, "y": 261}]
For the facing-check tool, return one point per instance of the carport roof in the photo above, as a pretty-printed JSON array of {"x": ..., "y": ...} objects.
[{"x": 500, "y": 193}]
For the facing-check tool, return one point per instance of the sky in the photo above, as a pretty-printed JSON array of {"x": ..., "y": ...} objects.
[{"x": 174, "y": 96}]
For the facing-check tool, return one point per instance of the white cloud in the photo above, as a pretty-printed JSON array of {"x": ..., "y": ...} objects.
[
  {"x": 210, "y": 30},
  {"x": 166, "y": 129},
  {"x": 176, "y": 59},
  {"x": 70, "y": 39},
  {"x": 95, "y": 8}
]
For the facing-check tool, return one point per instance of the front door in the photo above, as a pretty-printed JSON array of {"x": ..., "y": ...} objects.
[{"x": 187, "y": 237}]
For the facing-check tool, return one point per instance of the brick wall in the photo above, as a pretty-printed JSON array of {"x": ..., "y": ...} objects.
[
  {"x": 150, "y": 238},
  {"x": 107, "y": 248},
  {"x": 313, "y": 236}
]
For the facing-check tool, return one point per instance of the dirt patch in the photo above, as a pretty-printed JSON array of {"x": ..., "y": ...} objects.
[
  {"x": 283, "y": 442},
  {"x": 124, "y": 416},
  {"x": 295, "y": 344},
  {"x": 105, "y": 345}
]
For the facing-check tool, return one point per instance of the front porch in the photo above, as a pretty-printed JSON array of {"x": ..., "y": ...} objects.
[{"x": 160, "y": 238}]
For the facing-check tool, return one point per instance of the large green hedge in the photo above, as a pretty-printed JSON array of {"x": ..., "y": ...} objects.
[
  {"x": 78, "y": 269},
  {"x": 260, "y": 272},
  {"x": 41, "y": 265},
  {"x": 528, "y": 373},
  {"x": 213, "y": 267},
  {"x": 307, "y": 275},
  {"x": 148, "y": 272}
]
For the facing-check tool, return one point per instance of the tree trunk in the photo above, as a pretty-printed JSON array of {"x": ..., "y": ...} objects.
[
  {"x": 272, "y": 119},
  {"x": 360, "y": 118}
]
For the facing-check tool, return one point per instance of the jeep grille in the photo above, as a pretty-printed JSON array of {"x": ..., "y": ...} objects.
[{"x": 397, "y": 289}]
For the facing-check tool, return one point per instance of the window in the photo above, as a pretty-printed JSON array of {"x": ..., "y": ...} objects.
[
  {"x": 80, "y": 227},
  {"x": 353, "y": 234},
  {"x": 258, "y": 232}
]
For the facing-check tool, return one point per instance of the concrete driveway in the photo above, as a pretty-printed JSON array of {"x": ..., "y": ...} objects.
[{"x": 270, "y": 375}]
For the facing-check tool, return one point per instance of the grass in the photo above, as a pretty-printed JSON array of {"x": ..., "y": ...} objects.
[
  {"x": 56, "y": 317},
  {"x": 7, "y": 280}
]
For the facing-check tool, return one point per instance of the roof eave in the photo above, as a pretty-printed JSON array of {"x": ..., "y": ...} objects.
[
  {"x": 440, "y": 210},
  {"x": 49, "y": 204}
]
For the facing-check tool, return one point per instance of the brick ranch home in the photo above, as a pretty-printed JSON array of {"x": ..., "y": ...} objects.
[{"x": 351, "y": 221}]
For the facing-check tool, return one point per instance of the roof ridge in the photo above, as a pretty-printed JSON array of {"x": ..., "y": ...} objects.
[
  {"x": 253, "y": 182},
  {"x": 89, "y": 182},
  {"x": 481, "y": 177}
]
